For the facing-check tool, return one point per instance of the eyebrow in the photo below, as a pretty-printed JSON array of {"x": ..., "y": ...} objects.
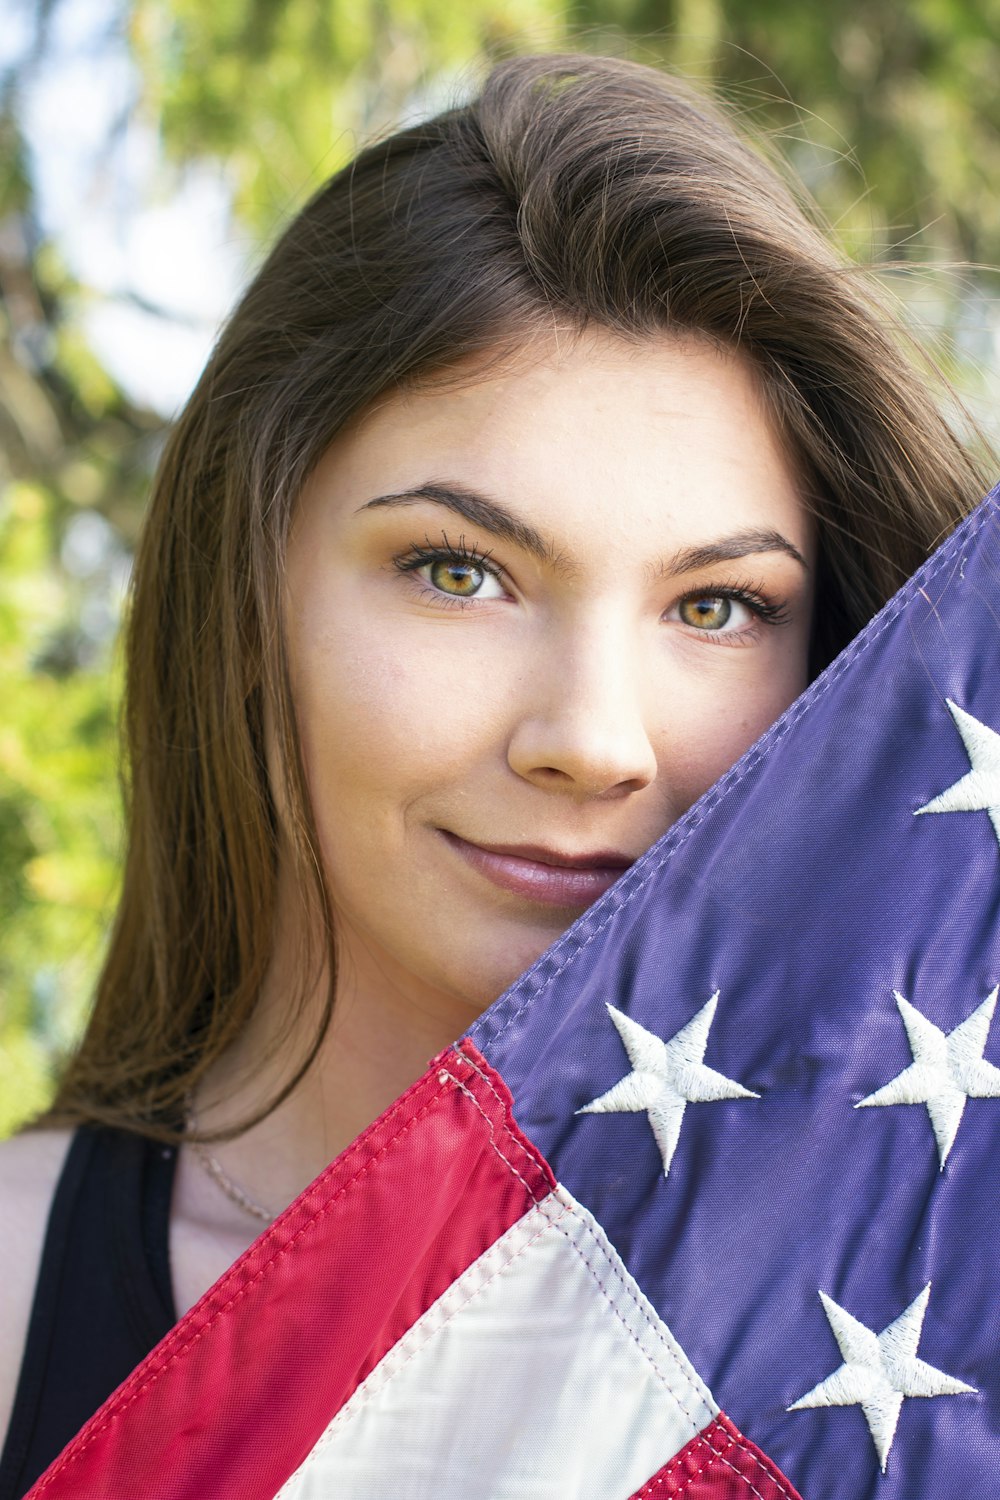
[
  {"x": 495, "y": 518},
  {"x": 746, "y": 543},
  {"x": 480, "y": 510}
]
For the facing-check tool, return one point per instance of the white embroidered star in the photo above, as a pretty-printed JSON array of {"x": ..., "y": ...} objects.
[
  {"x": 880, "y": 1370},
  {"x": 947, "y": 1070},
  {"x": 666, "y": 1077},
  {"x": 979, "y": 789}
]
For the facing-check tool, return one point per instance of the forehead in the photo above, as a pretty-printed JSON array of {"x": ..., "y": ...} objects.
[{"x": 588, "y": 433}]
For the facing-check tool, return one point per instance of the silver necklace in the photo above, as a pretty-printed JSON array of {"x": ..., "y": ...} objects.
[{"x": 213, "y": 1166}]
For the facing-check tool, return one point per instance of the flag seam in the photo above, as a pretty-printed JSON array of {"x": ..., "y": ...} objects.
[
  {"x": 588, "y": 1228},
  {"x": 125, "y": 1397},
  {"x": 653, "y": 1323},
  {"x": 701, "y": 1441},
  {"x": 556, "y": 1209},
  {"x": 750, "y": 1450},
  {"x": 735, "y": 1439},
  {"x": 443, "y": 1074},
  {"x": 648, "y": 1315},
  {"x": 391, "y": 1365},
  {"x": 591, "y": 1230}
]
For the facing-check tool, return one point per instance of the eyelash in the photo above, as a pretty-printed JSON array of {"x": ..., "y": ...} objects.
[
  {"x": 746, "y": 592},
  {"x": 752, "y": 594},
  {"x": 418, "y": 556}
]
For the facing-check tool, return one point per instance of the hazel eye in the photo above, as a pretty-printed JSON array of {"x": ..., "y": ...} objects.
[
  {"x": 455, "y": 577},
  {"x": 462, "y": 579},
  {"x": 710, "y": 612}
]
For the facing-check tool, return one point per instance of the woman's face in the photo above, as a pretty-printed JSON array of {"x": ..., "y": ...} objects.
[{"x": 531, "y": 618}]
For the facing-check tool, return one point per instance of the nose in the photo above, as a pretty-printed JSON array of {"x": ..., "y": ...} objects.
[{"x": 584, "y": 729}]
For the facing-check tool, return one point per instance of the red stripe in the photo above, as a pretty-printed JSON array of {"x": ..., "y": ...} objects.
[
  {"x": 719, "y": 1464},
  {"x": 232, "y": 1400}
]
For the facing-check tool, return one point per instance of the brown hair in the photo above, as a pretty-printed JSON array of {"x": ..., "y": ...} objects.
[{"x": 572, "y": 190}]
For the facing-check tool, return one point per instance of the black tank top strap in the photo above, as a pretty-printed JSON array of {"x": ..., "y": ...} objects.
[{"x": 103, "y": 1297}]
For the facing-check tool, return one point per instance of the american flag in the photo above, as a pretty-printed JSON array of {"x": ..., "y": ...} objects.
[{"x": 706, "y": 1205}]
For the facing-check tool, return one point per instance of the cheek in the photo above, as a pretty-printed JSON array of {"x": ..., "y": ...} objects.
[
  {"x": 383, "y": 724},
  {"x": 715, "y": 718}
]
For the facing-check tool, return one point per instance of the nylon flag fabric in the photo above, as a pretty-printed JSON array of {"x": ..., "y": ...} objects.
[{"x": 706, "y": 1205}]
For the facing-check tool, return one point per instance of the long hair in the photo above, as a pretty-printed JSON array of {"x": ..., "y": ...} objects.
[{"x": 572, "y": 191}]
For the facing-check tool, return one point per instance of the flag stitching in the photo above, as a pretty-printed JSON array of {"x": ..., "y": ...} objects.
[
  {"x": 185, "y": 1346},
  {"x": 735, "y": 1439},
  {"x": 484, "y": 1075},
  {"x": 652, "y": 1322},
  {"x": 976, "y": 791},
  {"x": 425, "y": 1330},
  {"x": 420, "y": 1335},
  {"x": 442, "y": 1075},
  {"x": 742, "y": 1446},
  {"x": 744, "y": 767},
  {"x": 606, "y": 1250},
  {"x": 514, "y": 1133},
  {"x": 701, "y": 1441},
  {"x": 713, "y": 1454},
  {"x": 964, "y": 1058}
]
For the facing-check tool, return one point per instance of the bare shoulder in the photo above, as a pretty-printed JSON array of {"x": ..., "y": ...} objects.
[{"x": 29, "y": 1169}]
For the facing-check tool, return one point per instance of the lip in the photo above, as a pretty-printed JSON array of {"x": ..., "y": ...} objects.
[{"x": 547, "y": 876}]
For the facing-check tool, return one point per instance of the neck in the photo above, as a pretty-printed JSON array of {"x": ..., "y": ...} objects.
[{"x": 384, "y": 1030}]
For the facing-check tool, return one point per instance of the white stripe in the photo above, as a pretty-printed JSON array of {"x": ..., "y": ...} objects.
[{"x": 542, "y": 1371}]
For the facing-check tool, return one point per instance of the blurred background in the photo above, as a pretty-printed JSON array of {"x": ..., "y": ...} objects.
[{"x": 150, "y": 149}]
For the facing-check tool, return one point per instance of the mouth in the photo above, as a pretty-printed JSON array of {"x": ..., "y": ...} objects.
[{"x": 548, "y": 876}]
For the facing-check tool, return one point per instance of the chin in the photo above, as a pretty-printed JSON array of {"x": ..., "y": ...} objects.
[{"x": 491, "y": 979}]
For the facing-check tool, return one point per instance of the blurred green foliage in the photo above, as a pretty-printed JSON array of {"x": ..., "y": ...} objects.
[
  {"x": 890, "y": 113},
  {"x": 75, "y": 457},
  {"x": 283, "y": 90},
  {"x": 58, "y": 809}
]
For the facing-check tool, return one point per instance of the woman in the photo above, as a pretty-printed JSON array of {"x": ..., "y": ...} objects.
[{"x": 549, "y": 454}]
